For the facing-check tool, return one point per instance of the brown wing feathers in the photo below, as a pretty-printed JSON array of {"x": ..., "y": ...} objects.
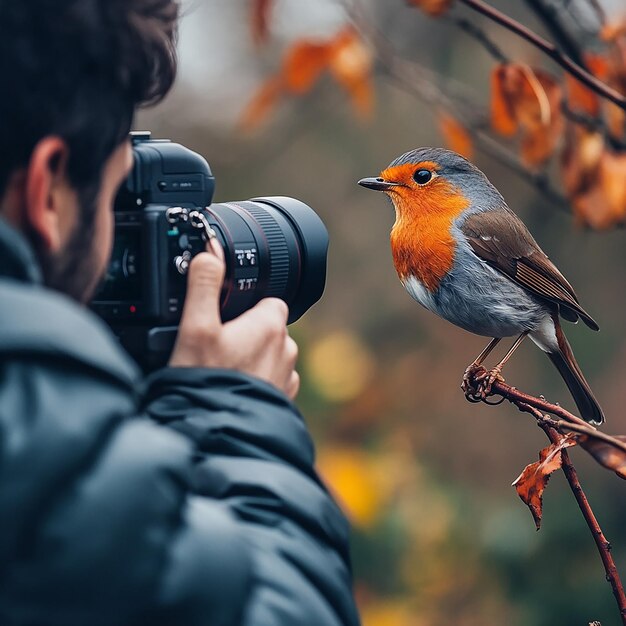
[{"x": 501, "y": 239}]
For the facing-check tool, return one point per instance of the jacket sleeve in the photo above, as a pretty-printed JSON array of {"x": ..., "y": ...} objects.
[
  {"x": 255, "y": 457},
  {"x": 98, "y": 520}
]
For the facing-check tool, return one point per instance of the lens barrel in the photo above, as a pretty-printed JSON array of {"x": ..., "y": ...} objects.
[{"x": 274, "y": 247}]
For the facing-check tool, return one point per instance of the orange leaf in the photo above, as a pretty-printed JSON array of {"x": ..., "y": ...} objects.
[
  {"x": 350, "y": 62},
  {"x": 434, "y": 8},
  {"x": 303, "y": 64},
  {"x": 456, "y": 136},
  {"x": 531, "y": 100},
  {"x": 607, "y": 455},
  {"x": 615, "y": 118},
  {"x": 581, "y": 98},
  {"x": 601, "y": 201},
  {"x": 580, "y": 159},
  {"x": 259, "y": 20},
  {"x": 503, "y": 119},
  {"x": 540, "y": 141},
  {"x": 613, "y": 181},
  {"x": 611, "y": 32},
  {"x": 531, "y": 483},
  {"x": 261, "y": 105}
]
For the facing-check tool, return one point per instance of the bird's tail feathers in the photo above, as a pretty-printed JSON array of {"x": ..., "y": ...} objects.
[{"x": 565, "y": 363}]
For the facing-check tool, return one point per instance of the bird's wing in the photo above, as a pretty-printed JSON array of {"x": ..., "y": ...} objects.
[{"x": 501, "y": 239}]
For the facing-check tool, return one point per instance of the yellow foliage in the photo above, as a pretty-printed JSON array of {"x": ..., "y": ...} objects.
[
  {"x": 340, "y": 366},
  {"x": 351, "y": 476}
]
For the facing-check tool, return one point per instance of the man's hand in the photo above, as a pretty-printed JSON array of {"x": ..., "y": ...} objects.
[{"x": 255, "y": 343}]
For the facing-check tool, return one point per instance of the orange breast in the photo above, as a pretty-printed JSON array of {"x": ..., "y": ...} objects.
[{"x": 421, "y": 242}]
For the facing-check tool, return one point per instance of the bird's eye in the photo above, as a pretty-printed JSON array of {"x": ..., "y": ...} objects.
[{"x": 421, "y": 177}]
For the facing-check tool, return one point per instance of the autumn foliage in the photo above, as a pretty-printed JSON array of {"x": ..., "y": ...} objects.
[
  {"x": 542, "y": 115},
  {"x": 555, "y": 124},
  {"x": 344, "y": 57}
]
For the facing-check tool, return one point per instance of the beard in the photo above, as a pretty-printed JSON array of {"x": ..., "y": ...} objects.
[{"x": 74, "y": 270}]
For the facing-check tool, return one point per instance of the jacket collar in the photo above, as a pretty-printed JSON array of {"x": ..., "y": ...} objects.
[
  {"x": 36, "y": 320},
  {"x": 17, "y": 259}
]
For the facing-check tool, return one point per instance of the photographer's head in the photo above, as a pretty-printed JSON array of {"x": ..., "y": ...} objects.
[{"x": 75, "y": 71}]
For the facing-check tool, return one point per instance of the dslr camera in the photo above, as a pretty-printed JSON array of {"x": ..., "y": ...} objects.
[{"x": 274, "y": 246}]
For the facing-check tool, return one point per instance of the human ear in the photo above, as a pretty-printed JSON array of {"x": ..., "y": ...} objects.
[{"x": 51, "y": 204}]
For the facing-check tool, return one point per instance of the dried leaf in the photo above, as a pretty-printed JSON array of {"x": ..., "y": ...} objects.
[
  {"x": 350, "y": 62},
  {"x": 602, "y": 204},
  {"x": 261, "y": 105},
  {"x": 503, "y": 118},
  {"x": 455, "y": 135},
  {"x": 434, "y": 8},
  {"x": 303, "y": 64},
  {"x": 607, "y": 455},
  {"x": 530, "y": 484},
  {"x": 259, "y": 10},
  {"x": 529, "y": 100},
  {"x": 615, "y": 119},
  {"x": 540, "y": 115},
  {"x": 612, "y": 31},
  {"x": 580, "y": 159},
  {"x": 613, "y": 182},
  {"x": 581, "y": 98}
]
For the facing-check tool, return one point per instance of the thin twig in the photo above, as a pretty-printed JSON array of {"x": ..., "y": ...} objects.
[
  {"x": 592, "y": 123},
  {"x": 603, "y": 545},
  {"x": 416, "y": 80},
  {"x": 550, "y": 50},
  {"x": 571, "y": 421},
  {"x": 480, "y": 36}
]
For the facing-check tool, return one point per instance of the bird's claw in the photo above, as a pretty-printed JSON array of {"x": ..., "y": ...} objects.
[{"x": 477, "y": 382}]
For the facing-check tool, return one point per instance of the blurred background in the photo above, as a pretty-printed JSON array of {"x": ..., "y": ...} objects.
[{"x": 440, "y": 536}]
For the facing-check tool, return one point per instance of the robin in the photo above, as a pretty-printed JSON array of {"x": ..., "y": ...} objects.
[{"x": 464, "y": 255}]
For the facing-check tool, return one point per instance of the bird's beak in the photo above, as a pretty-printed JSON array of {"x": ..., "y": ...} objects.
[{"x": 378, "y": 184}]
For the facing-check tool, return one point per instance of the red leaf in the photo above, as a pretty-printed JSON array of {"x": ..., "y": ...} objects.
[{"x": 530, "y": 484}]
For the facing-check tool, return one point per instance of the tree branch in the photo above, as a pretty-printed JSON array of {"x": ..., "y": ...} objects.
[
  {"x": 415, "y": 80},
  {"x": 603, "y": 545},
  {"x": 550, "y": 50},
  {"x": 568, "y": 422},
  {"x": 547, "y": 13}
]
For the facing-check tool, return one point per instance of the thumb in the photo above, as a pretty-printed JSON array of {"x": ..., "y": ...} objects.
[{"x": 204, "y": 286}]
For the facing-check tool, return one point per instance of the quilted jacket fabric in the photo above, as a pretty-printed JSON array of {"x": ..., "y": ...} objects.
[{"x": 188, "y": 498}]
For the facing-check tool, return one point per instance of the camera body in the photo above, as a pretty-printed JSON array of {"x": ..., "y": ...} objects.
[{"x": 273, "y": 247}]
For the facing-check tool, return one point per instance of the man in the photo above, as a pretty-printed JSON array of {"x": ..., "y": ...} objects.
[{"x": 186, "y": 499}]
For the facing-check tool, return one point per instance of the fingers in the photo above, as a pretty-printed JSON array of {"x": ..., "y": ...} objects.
[
  {"x": 293, "y": 386},
  {"x": 204, "y": 286}
]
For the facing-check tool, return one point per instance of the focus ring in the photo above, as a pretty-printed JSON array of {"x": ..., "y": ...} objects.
[{"x": 279, "y": 252}]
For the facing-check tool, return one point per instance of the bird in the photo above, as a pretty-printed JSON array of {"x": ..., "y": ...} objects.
[{"x": 463, "y": 254}]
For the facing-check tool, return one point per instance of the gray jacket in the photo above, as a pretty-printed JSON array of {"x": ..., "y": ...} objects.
[{"x": 185, "y": 499}]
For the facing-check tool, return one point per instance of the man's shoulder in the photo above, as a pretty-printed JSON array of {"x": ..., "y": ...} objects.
[{"x": 42, "y": 323}]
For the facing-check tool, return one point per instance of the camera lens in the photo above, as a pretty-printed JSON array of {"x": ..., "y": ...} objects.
[{"x": 275, "y": 247}]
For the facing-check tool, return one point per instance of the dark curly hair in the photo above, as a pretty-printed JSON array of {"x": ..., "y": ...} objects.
[{"x": 79, "y": 69}]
